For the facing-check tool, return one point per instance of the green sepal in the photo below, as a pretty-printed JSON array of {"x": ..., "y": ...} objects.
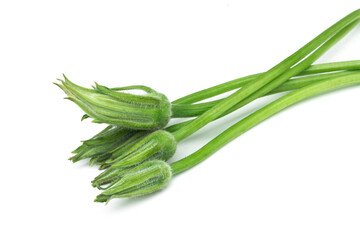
[
  {"x": 150, "y": 99},
  {"x": 85, "y": 116},
  {"x": 100, "y": 147},
  {"x": 108, "y": 176}
]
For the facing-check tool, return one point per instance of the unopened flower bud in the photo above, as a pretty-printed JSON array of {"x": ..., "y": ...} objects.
[
  {"x": 99, "y": 147},
  {"x": 160, "y": 145},
  {"x": 143, "y": 179},
  {"x": 109, "y": 176},
  {"x": 149, "y": 111}
]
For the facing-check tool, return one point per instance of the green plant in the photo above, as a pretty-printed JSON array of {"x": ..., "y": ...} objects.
[{"x": 134, "y": 148}]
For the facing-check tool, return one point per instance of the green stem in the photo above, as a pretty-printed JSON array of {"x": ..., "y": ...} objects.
[
  {"x": 239, "y": 82},
  {"x": 193, "y": 110},
  {"x": 265, "y": 78},
  {"x": 290, "y": 85},
  {"x": 259, "y": 116}
]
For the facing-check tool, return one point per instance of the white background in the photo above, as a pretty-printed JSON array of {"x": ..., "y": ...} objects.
[{"x": 295, "y": 176}]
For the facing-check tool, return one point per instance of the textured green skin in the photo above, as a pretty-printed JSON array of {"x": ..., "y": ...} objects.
[
  {"x": 101, "y": 144},
  {"x": 109, "y": 176},
  {"x": 144, "y": 179},
  {"x": 159, "y": 144},
  {"x": 164, "y": 113},
  {"x": 140, "y": 112}
]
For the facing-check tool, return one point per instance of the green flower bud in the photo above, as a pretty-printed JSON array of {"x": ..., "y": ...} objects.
[
  {"x": 160, "y": 145},
  {"x": 108, "y": 176},
  {"x": 144, "y": 179},
  {"x": 122, "y": 148},
  {"x": 116, "y": 107},
  {"x": 99, "y": 147}
]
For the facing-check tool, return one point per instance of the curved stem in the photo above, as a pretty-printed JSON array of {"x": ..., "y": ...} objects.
[
  {"x": 259, "y": 116},
  {"x": 270, "y": 75}
]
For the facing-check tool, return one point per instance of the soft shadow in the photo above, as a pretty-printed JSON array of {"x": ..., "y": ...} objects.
[
  {"x": 81, "y": 164},
  {"x": 125, "y": 203},
  {"x": 84, "y": 163}
]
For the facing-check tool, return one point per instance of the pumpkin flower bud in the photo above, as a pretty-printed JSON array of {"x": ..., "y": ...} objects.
[
  {"x": 143, "y": 179},
  {"x": 114, "y": 106},
  {"x": 122, "y": 148},
  {"x": 109, "y": 176},
  {"x": 160, "y": 145},
  {"x": 98, "y": 148}
]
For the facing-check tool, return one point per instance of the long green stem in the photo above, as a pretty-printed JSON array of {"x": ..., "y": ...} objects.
[
  {"x": 265, "y": 78},
  {"x": 193, "y": 110},
  {"x": 259, "y": 116},
  {"x": 239, "y": 82}
]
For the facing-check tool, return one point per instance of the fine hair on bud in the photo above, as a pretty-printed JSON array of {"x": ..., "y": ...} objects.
[
  {"x": 115, "y": 106},
  {"x": 144, "y": 179}
]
